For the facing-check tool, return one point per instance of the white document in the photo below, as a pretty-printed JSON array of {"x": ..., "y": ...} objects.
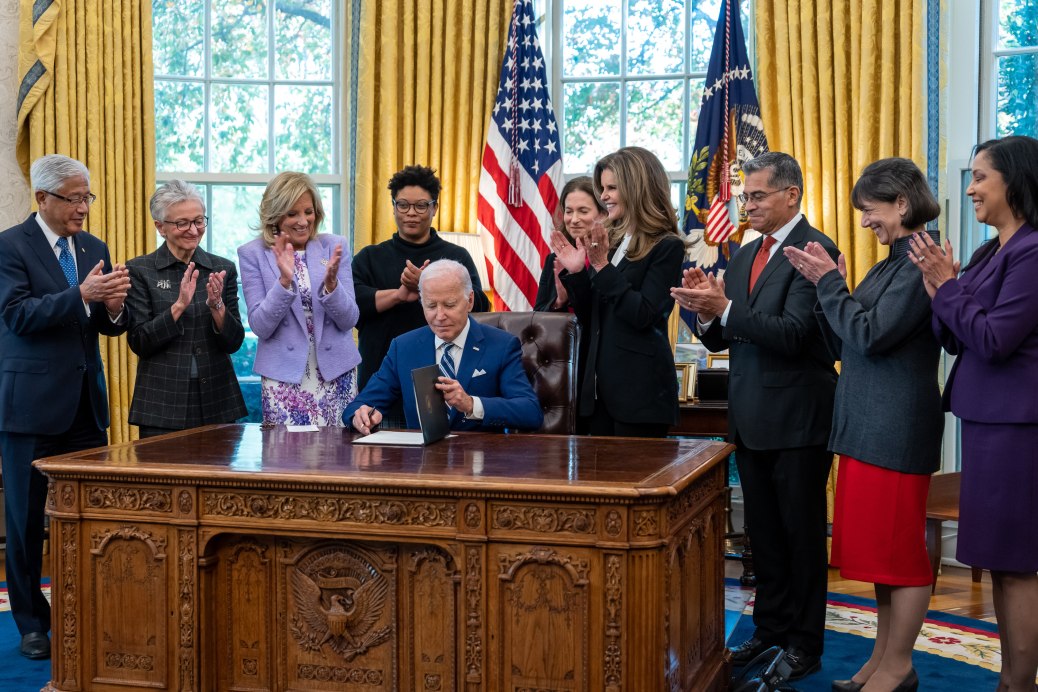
[
  {"x": 301, "y": 428},
  {"x": 392, "y": 437}
]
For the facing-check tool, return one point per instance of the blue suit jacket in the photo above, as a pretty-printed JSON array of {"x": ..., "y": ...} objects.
[
  {"x": 47, "y": 341},
  {"x": 508, "y": 399},
  {"x": 987, "y": 317}
]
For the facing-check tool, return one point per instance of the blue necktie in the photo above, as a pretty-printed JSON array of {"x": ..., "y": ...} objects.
[
  {"x": 68, "y": 265},
  {"x": 447, "y": 367}
]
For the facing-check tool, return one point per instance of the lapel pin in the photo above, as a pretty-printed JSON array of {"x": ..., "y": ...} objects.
[
  {"x": 475, "y": 348},
  {"x": 163, "y": 283},
  {"x": 324, "y": 262}
]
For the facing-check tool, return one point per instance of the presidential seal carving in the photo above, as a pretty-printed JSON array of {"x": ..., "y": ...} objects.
[{"x": 339, "y": 600}]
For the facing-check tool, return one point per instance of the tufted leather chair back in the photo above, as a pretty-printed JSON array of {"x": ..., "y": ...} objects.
[{"x": 550, "y": 343}]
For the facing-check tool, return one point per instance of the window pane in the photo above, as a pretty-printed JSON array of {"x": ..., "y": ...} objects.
[
  {"x": 233, "y": 218},
  {"x": 654, "y": 119},
  {"x": 303, "y": 128},
  {"x": 239, "y": 39},
  {"x": 303, "y": 39},
  {"x": 179, "y": 126},
  {"x": 238, "y": 114},
  {"x": 591, "y": 38},
  {"x": 1017, "y": 100},
  {"x": 655, "y": 36},
  {"x": 178, "y": 36},
  {"x": 1017, "y": 23},
  {"x": 329, "y": 198},
  {"x": 704, "y": 24},
  {"x": 695, "y": 99},
  {"x": 592, "y": 124}
]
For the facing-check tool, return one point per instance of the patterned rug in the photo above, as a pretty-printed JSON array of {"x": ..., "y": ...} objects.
[{"x": 951, "y": 652}]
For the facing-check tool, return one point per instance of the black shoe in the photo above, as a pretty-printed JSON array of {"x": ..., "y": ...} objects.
[
  {"x": 801, "y": 664},
  {"x": 36, "y": 645},
  {"x": 747, "y": 651},
  {"x": 847, "y": 686},
  {"x": 910, "y": 683}
]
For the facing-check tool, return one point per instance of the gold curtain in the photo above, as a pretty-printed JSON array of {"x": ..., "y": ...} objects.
[
  {"x": 427, "y": 74},
  {"x": 85, "y": 67},
  {"x": 842, "y": 84}
]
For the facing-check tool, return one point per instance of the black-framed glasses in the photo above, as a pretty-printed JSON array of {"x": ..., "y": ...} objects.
[
  {"x": 74, "y": 201},
  {"x": 421, "y": 206},
  {"x": 758, "y": 197},
  {"x": 183, "y": 224}
]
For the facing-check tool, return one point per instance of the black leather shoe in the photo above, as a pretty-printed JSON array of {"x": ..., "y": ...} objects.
[
  {"x": 36, "y": 645},
  {"x": 801, "y": 664},
  {"x": 847, "y": 686},
  {"x": 747, "y": 651},
  {"x": 910, "y": 683}
]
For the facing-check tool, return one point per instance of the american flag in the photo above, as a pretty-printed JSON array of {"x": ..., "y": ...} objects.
[{"x": 522, "y": 169}]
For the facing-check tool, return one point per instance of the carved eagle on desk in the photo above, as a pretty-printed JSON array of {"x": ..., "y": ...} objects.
[{"x": 342, "y": 617}]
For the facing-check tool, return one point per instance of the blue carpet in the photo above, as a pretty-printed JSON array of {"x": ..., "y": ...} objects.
[{"x": 846, "y": 651}]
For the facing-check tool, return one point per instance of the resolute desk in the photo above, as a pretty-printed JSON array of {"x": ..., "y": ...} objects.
[{"x": 236, "y": 558}]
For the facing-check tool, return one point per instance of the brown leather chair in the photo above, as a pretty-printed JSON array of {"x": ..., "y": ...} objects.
[{"x": 550, "y": 343}]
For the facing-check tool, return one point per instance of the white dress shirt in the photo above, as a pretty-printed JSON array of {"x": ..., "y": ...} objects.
[{"x": 459, "y": 348}]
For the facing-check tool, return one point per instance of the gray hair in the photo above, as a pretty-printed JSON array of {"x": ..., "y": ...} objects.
[
  {"x": 446, "y": 267},
  {"x": 783, "y": 171},
  {"x": 48, "y": 173},
  {"x": 173, "y": 192}
]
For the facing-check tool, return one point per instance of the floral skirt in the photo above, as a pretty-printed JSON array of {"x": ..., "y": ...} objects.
[{"x": 314, "y": 401}]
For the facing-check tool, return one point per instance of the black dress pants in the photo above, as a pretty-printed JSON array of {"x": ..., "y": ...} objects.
[
  {"x": 784, "y": 496},
  {"x": 25, "y": 497}
]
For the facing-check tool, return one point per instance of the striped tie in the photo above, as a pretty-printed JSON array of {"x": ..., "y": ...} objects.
[
  {"x": 68, "y": 265},
  {"x": 447, "y": 367}
]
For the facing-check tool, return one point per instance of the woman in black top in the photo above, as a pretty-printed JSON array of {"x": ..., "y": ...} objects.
[{"x": 618, "y": 279}]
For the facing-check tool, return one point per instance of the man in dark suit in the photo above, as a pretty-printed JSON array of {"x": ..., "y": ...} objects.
[
  {"x": 483, "y": 378},
  {"x": 780, "y": 406},
  {"x": 58, "y": 291}
]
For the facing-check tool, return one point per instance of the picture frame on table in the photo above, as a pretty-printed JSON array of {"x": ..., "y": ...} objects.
[
  {"x": 690, "y": 383},
  {"x": 717, "y": 360},
  {"x": 681, "y": 371}
]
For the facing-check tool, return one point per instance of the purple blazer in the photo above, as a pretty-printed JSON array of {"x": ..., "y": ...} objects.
[
  {"x": 276, "y": 315},
  {"x": 989, "y": 319}
]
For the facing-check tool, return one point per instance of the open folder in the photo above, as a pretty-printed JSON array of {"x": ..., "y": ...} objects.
[{"x": 432, "y": 413}]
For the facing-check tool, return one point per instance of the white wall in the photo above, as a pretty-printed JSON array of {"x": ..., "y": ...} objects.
[{"x": 14, "y": 191}]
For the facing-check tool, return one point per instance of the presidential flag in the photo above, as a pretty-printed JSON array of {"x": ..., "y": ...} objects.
[
  {"x": 730, "y": 132},
  {"x": 522, "y": 169}
]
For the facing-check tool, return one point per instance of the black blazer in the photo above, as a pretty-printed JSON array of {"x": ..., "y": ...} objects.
[
  {"x": 167, "y": 347},
  {"x": 47, "y": 341},
  {"x": 781, "y": 382},
  {"x": 626, "y": 308}
]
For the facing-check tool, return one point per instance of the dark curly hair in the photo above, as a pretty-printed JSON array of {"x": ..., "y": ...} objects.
[{"x": 422, "y": 176}]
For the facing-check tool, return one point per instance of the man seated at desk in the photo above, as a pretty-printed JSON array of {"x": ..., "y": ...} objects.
[{"x": 483, "y": 381}]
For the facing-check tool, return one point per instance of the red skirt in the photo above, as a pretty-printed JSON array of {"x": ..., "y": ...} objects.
[{"x": 879, "y": 525}]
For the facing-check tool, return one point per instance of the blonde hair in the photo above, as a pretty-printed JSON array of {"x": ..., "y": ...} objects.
[
  {"x": 281, "y": 195},
  {"x": 645, "y": 191}
]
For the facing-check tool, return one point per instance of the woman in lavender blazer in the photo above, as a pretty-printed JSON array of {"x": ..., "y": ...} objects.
[
  {"x": 299, "y": 294},
  {"x": 988, "y": 318}
]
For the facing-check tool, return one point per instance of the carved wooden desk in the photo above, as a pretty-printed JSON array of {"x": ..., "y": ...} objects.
[{"x": 235, "y": 558}]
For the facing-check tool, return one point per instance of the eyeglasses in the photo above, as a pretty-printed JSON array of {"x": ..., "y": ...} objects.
[
  {"x": 183, "y": 224},
  {"x": 758, "y": 197},
  {"x": 421, "y": 207},
  {"x": 74, "y": 201}
]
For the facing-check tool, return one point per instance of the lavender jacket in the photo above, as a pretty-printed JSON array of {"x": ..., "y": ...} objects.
[
  {"x": 988, "y": 318},
  {"x": 276, "y": 314}
]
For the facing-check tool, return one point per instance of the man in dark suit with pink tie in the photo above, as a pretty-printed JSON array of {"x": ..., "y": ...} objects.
[
  {"x": 780, "y": 407},
  {"x": 58, "y": 291}
]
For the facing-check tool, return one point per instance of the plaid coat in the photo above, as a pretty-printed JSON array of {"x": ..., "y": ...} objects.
[{"x": 167, "y": 347}]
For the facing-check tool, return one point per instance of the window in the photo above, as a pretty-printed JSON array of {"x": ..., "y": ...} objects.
[
  {"x": 1013, "y": 80},
  {"x": 245, "y": 89},
  {"x": 631, "y": 72}
]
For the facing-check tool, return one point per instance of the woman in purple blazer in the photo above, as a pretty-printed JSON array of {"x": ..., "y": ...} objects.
[
  {"x": 299, "y": 294},
  {"x": 988, "y": 318}
]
